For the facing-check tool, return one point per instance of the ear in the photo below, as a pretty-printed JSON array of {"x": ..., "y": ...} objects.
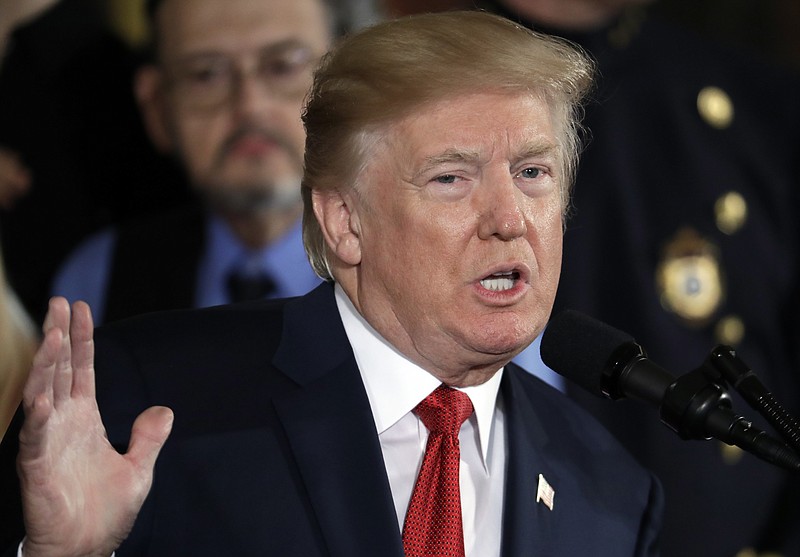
[
  {"x": 338, "y": 219},
  {"x": 149, "y": 91}
]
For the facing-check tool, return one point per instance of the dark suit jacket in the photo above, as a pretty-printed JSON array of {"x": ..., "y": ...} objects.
[
  {"x": 274, "y": 449},
  {"x": 155, "y": 263}
]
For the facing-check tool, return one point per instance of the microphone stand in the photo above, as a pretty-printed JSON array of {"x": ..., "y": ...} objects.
[
  {"x": 697, "y": 406},
  {"x": 727, "y": 367}
]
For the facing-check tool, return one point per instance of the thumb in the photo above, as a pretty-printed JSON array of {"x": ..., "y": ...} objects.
[{"x": 149, "y": 433}]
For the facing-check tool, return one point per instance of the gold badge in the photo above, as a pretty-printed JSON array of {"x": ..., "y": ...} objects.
[
  {"x": 689, "y": 278},
  {"x": 730, "y": 212},
  {"x": 729, "y": 330},
  {"x": 715, "y": 107}
]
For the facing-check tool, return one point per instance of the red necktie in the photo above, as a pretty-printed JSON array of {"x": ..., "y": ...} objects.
[{"x": 433, "y": 526}]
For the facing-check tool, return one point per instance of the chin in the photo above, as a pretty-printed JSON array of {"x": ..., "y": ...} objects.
[
  {"x": 501, "y": 345},
  {"x": 506, "y": 333}
]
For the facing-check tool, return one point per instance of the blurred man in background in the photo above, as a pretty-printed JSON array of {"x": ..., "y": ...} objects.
[{"x": 224, "y": 95}]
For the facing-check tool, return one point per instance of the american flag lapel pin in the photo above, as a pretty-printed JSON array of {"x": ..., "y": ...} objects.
[{"x": 545, "y": 493}]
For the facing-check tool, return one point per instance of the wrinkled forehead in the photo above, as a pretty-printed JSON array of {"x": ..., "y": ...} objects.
[
  {"x": 473, "y": 126},
  {"x": 187, "y": 27}
]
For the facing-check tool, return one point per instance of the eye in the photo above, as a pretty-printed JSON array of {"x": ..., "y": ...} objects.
[
  {"x": 535, "y": 180},
  {"x": 205, "y": 72},
  {"x": 286, "y": 62},
  {"x": 206, "y": 75},
  {"x": 531, "y": 173},
  {"x": 445, "y": 179}
]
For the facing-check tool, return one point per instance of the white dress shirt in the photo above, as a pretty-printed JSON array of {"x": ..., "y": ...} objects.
[{"x": 395, "y": 386}]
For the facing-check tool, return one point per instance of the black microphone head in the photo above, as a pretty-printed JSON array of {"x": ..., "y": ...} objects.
[{"x": 580, "y": 348}]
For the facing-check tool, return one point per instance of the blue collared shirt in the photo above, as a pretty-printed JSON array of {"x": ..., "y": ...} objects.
[
  {"x": 530, "y": 359},
  {"x": 85, "y": 274}
]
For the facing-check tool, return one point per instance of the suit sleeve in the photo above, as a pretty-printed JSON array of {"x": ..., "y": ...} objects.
[{"x": 650, "y": 528}]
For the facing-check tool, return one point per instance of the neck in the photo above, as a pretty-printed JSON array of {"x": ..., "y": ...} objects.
[
  {"x": 469, "y": 378},
  {"x": 261, "y": 228}
]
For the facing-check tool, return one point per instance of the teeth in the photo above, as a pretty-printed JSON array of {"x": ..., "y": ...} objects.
[{"x": 499, "y": 283}]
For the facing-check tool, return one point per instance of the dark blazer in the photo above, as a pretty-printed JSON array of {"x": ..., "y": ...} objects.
[
  {"x": 155, "y": 263},
  {"x": 274, "y": 449}
]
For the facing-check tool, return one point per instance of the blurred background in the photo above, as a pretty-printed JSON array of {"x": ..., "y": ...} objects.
[{"x": 769, "y": 28}]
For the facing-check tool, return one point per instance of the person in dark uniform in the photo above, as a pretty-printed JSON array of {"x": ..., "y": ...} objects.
[{"x": 685, "y": 233}]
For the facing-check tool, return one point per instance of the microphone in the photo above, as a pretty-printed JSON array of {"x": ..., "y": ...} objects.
[{"x": 609, "y": 363}]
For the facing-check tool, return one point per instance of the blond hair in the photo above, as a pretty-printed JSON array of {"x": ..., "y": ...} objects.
[
  {"x": 18, "y": 339},
  {"x": 385, "y": 72}
]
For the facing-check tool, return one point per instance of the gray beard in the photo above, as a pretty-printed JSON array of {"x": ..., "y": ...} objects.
[{"x": 279, "y": 197}]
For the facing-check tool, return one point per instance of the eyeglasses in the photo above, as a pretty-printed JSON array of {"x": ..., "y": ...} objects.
[{"x": 206, "y": 81}]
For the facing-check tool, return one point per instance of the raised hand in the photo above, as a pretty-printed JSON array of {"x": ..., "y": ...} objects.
[{"x": 80, "y": 496}]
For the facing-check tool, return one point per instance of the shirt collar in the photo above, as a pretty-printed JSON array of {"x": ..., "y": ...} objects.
[
  {"x": 284, "y": 260},
  {"x": 395, "y": 385}
]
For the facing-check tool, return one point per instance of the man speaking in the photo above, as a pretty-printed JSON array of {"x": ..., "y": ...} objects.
[{"x": 378, "y": 415}]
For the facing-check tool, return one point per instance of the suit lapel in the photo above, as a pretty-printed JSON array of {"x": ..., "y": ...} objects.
[
  {"x": 528, "y": 525},
  {"x": 332, "y": 433}
]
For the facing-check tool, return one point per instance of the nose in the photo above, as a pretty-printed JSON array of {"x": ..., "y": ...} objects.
[{"x": 501, "y": 213}]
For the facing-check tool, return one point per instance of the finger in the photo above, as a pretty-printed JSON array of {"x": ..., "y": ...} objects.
[
  {"x": 62, "y": 378},
  {"x": 37, "y": 394},
  {"x": 33, "y": 434},
  {"x": 81, "y": 333},
  {"x": 57, "y": 315},
  {"x": 148, "y": 435}
]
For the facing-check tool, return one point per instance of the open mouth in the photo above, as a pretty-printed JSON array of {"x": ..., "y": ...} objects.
[{"x": 499, "y": 282}]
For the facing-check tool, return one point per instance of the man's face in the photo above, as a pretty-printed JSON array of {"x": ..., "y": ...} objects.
[
  {"x": 235, "y": 73},
  {"x": 460, "y": 223}
]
